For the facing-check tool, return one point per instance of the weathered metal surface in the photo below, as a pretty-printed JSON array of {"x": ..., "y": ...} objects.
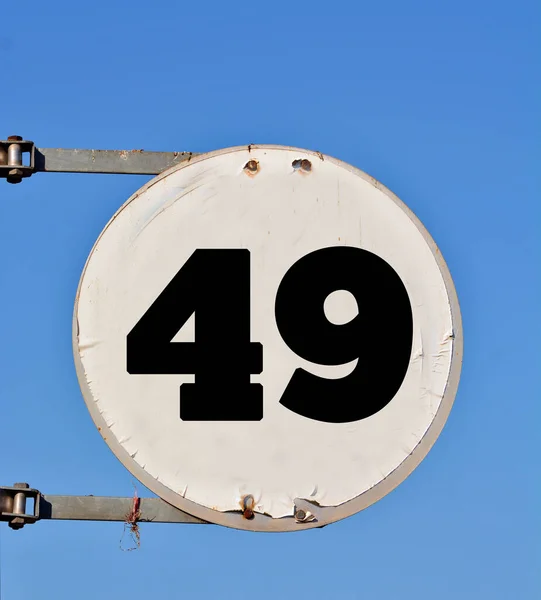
[
  {"x": 133, "y": 162},
  {"x": 104, "y": 508},
  {"x": 13, "y": 508},
  {"x": 67, "y": 160}
]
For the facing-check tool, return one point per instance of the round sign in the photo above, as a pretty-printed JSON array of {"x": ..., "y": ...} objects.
[{"x": 267, "y": 338}]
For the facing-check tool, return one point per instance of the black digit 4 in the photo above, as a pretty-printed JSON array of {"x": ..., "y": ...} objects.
[
  {"x": 379, "y": 337},
  {"x": 216, "y": 285}
]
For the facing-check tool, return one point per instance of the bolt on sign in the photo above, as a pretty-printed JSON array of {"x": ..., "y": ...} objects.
[{"x": 267, "y": 338}]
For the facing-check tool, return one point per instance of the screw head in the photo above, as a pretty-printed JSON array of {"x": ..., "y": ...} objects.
[
  {"x": 304, "y": 165},
  {"x": 248, "y": 504},
  {"x": 15, "y": 138}
]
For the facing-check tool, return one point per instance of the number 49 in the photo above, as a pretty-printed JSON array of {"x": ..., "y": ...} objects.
[{"x": 215, "y": 284}]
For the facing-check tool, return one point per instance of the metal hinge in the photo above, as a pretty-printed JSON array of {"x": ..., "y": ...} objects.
[
  {"x": 12, "y": 154},
  {"x": 20, "y": 158},
  {"x": 13, "y": 503}
]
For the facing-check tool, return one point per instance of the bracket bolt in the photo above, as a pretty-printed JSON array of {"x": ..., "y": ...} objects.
[
  {"x": 304, "y": 516},
  {"x": 248, "y": 504},
  {"x": 251, "y": 167},
  {"x": 14, "y": 176}
]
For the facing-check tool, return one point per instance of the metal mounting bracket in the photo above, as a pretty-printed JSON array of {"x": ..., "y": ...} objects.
[
  {"x": 13, "y": 506},
  {"x": 14, "y": 167},
  {"x": 20, "y": 159}
]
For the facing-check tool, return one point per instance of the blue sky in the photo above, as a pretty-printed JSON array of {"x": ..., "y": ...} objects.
[{"x": 440, "y": 102}]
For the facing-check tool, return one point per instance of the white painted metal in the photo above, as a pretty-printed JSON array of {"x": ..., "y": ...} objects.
[{"x": 285, "y": 461}]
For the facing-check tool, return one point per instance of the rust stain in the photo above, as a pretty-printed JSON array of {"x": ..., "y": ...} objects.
[{"x": 251, "y": 168}]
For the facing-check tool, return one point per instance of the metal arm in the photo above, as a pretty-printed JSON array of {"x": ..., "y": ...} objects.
[
  {"x": 13, "y": 506},
  {"x": 15, "y": 150}
]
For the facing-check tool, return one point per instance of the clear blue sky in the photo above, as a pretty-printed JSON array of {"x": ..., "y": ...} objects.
[{"x": 439, "y": 101}]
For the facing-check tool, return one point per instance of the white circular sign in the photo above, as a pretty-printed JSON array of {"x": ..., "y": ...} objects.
[{"x": 267, "y": 338}]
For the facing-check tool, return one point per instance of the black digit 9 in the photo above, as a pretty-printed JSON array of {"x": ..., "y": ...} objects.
[{"x": 379, "y": 337}]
